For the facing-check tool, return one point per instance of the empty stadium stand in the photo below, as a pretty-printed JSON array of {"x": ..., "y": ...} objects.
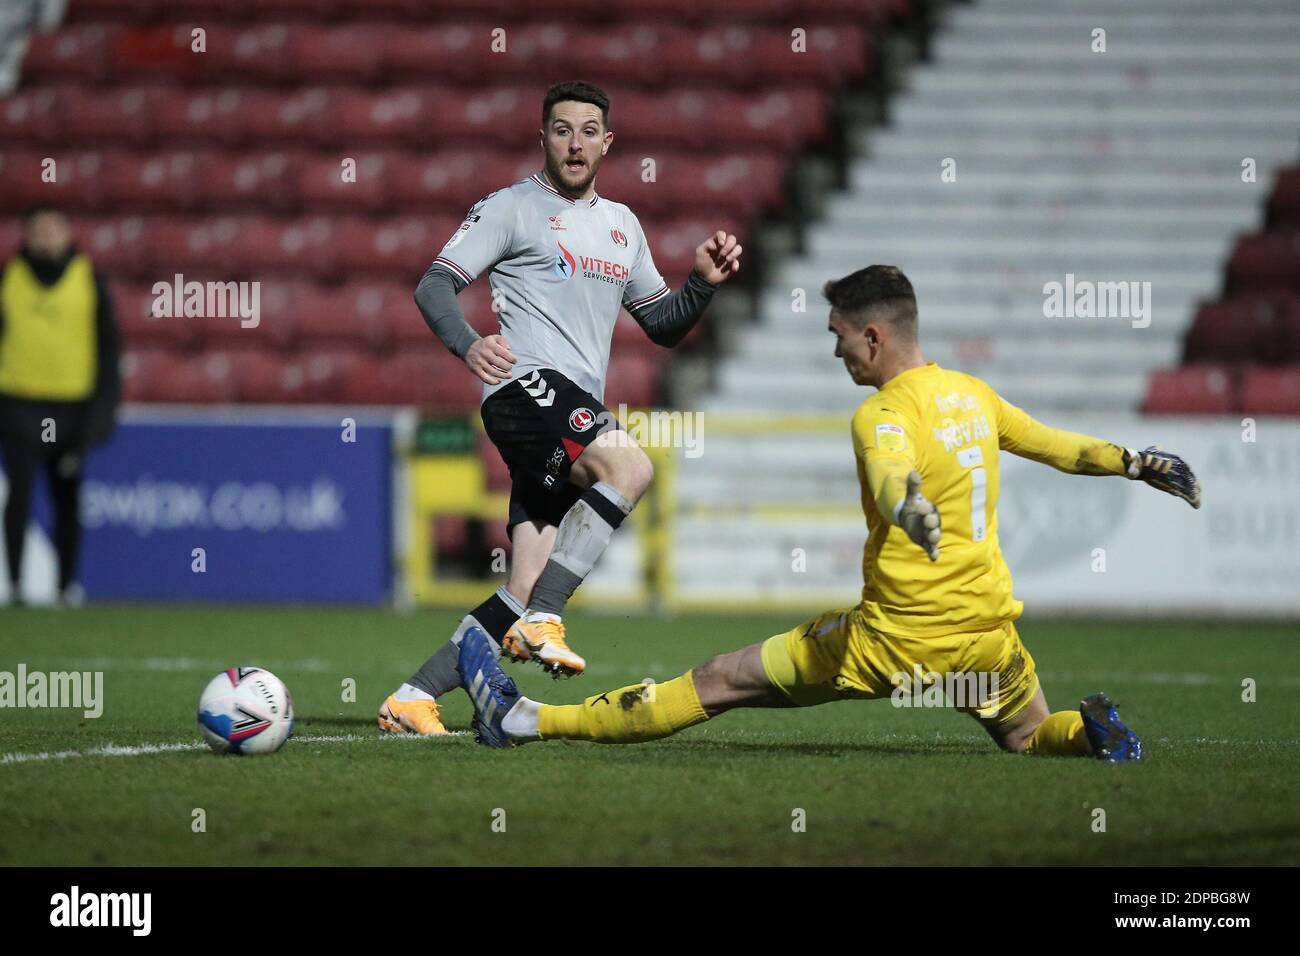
[{"x": 1123, "y": 165}]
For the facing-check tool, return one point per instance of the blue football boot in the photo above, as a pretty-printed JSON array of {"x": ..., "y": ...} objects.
[
  {"x": 1111, "y": 740},
  {"x": 489, "y": 687}
]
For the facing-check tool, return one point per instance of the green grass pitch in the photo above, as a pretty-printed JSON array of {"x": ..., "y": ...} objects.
[{"x": 877, "y": 785}]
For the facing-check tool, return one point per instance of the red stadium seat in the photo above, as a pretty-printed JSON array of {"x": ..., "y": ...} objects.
[
  {"x": 80, "y": 53},
  {"x": 1284, "y": 205},
  {"x": 256, "y": 52},
  {"x": 111, "y": 117},
  {"x": 506, "y": 115},
  {"x": 873, "y": 12},
  {"x": 277, "y": 379},
  {"x": 430, "y": 378},
  {"x": 1192, "y": 390},
  {"x": 1271, "y": 391},
  {"x": 633, "y": 380},
  {"x": 11, "y": 237},
  {"x": 140, "y": 328},
  {"x": 77, "y": 184},
  {"x": 324, "y": 183},
  {"x": 297, "y": 118},
  {"x": 162, "y": 52},
  {"x": 445, "y": 179},
  {"x": 118, "y": 247},
  {"x": 301, "y": 247},
  {"x": 32, "y": 117},
  {"x": 673, "y": 242},
  {"x": 199, "y": 248},
  {"x": 401, "y": 247},
  {"x": 1246, "y": 328},
  {"x": 141, "y": 369},
  {"x": 353, "y": 52},
  {"x": 400, "y": 114},
  {"x": 203, "y": 380},
  {"x": 778, "y": 120},
  {"x": 277, "y": 320},
  {"x": 1268, "y": 261},
  {"x": 454, "y": 51},
  {"x": 349, "y": 317},
  {"x": 203, "y": 116},
  {"x": 257, "y": 181},
  {"x": 161, "y": 181},
  {"x": 832, "y": 56},
  {"x": 733, "y": 184}
]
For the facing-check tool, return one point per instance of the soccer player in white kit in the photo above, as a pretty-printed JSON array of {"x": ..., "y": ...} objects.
[{"x": 561, "y": 260}]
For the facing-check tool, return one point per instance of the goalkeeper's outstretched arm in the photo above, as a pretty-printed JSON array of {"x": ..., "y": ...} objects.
[{"x": 1078, "y": 454}]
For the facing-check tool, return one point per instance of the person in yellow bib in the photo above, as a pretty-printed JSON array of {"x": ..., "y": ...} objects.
[
  {"x": 936, "y": 623},
  {"x": 59, "y": 385}
]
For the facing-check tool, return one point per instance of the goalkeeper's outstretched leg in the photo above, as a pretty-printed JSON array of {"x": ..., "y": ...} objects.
[
  {"x": 643, "y": 712},
  {"x": 628, "y": 715}
]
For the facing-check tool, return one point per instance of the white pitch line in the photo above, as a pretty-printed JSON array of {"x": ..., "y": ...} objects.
[
  {"x": 316, "y": 665},
  {"x": 144, "y": 750},
  {"x": 1157, "y": 677}
]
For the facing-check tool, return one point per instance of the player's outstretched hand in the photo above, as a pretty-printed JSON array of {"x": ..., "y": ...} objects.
[
  {"x": 1160, "y": 469},
  {"x": 717, "y": 258},
  {"x": 490, "y": 359},
  {"x": 919, "y": 517}
]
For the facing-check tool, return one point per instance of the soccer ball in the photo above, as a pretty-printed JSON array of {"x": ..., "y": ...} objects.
[{"x": 246, "y": 710}]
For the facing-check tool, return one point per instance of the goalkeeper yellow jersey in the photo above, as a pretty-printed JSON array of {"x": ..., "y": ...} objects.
[{"x": 949, "y": 426}]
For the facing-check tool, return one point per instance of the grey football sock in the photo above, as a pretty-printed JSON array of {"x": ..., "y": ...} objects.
[
  {"x": 582, "y": 538},
  {"x": 496, "y": 615}
]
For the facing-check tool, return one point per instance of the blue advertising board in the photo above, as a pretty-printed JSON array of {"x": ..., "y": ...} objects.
[{"x": 283, "y": 510}]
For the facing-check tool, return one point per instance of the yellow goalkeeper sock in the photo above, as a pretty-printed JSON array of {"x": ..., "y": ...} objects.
[
  {"x": 629, "y": 715},
  {"x": 1060, "y": 735}
]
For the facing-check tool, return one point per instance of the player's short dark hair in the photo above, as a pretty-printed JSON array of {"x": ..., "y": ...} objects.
[
  {"x": 876, "y": 292},
  {"x": 578, "y": 92}
]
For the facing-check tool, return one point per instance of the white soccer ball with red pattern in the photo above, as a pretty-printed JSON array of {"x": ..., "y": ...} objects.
[{"x": 246, "y": 710}]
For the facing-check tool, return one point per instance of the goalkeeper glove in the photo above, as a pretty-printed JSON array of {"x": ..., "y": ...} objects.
[
  {"x": 918, "y": 516},
  {"x": 1169, "y": 473}
]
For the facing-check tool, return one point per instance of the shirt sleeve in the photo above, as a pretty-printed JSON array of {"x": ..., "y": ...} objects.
[
  {"x": 645, "y": 285},
  {"x": 1070, "y": 452},
  {"x": 884, "y": 443},
  {"x": 483, "y": 239}
]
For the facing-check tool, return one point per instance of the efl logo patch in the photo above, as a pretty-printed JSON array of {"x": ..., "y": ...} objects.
[
  {"x": 557, "y": 224},
  {"x": 617, "y": 235},
  {"x": 460, "y": 233},
  {"x": 581, "y": 419},
  {"x": 890, "y": 438}
]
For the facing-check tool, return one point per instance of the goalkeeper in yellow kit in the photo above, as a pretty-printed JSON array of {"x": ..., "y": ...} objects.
[{"x": 936, "y": 599}]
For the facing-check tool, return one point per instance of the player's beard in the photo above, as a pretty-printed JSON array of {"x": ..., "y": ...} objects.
[{"x": 559, "y": 174}]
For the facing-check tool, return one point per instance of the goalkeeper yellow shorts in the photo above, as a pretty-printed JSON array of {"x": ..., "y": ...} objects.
[{"x": 838, "y": 656}]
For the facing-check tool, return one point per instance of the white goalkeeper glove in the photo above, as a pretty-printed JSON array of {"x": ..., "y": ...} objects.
[
  {"x": 918, "y": 516},
  {"x": 1160, "y": 469}
]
